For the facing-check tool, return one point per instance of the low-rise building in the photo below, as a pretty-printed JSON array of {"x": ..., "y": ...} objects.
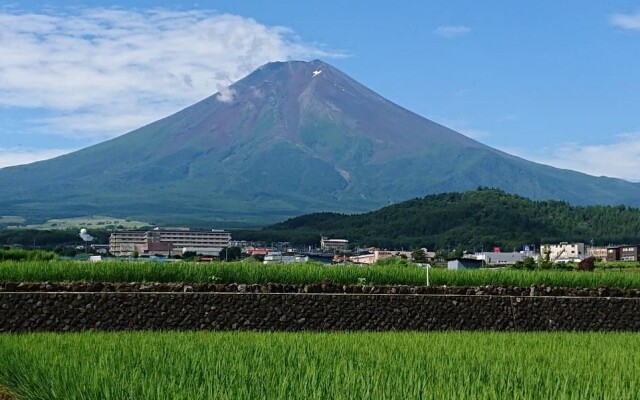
[
  {"x": 278, "y": 257},
  {"x": 376, "y": 255},
  {"x": 629, "y": 253},
  {"x": 503, "y": 258},
  {"x": 464, "y": 263}
]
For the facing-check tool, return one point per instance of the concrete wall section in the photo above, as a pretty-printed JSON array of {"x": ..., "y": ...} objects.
[{"x": 37, "y": 311}]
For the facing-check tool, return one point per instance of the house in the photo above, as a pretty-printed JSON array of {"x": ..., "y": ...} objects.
[
  {"x": 613, "y": 253},
  {"x": 464, "y": 263},
  {"x": 626, "y": 252},
  {"x": 506, "y": 258},
  {"x": 629, "y": 253}
]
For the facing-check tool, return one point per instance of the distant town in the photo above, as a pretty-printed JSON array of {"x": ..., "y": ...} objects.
[{"x": 214, "y": 244}]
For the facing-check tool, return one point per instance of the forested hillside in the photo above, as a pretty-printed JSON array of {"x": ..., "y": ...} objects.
[{"x": 475, "y": 219}]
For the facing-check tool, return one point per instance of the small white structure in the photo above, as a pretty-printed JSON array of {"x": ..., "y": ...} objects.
[{"x": 507, "y": 258}]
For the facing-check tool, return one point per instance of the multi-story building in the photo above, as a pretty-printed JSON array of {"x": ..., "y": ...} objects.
[
  {"x": 629, "y": 253},
  {"x": 613, "y": 253},
  {"x": 333, "y": 244},
  {"x": 626, "y": 252},
  {"x": 563, "y": 252},
  {"x": 123, "y": 243},
  {"x": 168, "y": 241},
  {"x": 597, "y": 252}
]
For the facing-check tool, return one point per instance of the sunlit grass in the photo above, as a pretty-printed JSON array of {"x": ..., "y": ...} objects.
[
  {"x": 253, "y": 272},
  {"x": 249, "y": 365}
]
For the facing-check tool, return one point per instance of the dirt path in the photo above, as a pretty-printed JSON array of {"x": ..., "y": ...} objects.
[{"x": 4, "y": 395}]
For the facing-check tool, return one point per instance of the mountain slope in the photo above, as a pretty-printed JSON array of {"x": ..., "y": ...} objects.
[
  {"x": 290, "y": 138},
  {"x": 473, "y": 220}
]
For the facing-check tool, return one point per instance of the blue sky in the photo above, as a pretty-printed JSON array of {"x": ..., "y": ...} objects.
[{"x": 555, "y": 82}]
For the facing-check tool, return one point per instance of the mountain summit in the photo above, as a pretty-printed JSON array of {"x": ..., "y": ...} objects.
[{"x": 290, "y": 138}]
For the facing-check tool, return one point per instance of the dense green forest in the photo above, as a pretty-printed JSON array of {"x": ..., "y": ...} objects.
[{"x": 473, "y": 220}]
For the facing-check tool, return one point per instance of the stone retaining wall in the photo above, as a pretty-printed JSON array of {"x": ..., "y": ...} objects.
[
  {"x": 325, "y": 287},
  {"x": 78, "y": 311}
]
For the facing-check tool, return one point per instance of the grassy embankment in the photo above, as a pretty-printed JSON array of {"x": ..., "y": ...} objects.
[
  {"x": 253, "y": 272},
  {"x": 321, "y": 365}
]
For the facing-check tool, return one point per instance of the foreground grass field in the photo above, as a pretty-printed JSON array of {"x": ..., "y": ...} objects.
[
  {"x": 253, "y": 272},
  {"x": 321, "y": 365}
]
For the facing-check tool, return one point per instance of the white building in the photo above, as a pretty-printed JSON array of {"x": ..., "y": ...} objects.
[
  {"x": 499, "y": 258},
  {"x": 168, "y": 241},
  {"x": 563, "y": 252}
]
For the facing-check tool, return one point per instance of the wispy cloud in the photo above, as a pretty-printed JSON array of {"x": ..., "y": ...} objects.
[
  {"x": 451, "y": 31},
  {"x": 462, "y": 126},
  {"x": 104, "y": 71},
  {"x": 16, "y": 156},
  {"x": 626, "y": 21},
  {"x": 618, "y": 159}
]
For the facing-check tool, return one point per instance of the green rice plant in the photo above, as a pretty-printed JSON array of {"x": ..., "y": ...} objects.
[
  {"x": 254, "y": 272},
  {"x": 248, "y": 365},
  {"x": 617, "y": 264},
  {"x": 26, "y": 255}
]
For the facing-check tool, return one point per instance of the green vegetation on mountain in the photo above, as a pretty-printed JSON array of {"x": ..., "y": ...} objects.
[
  {"x": 289, "y": 143},
  {"x": 475, "y": 219}
]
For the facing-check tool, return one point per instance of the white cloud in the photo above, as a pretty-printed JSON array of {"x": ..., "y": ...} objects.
[
  {"x": 225, "y": 94},
  {"x": 626, "y": 21},
  {"x": 104, "y": 71},
  {"x": 16, "y": 156},
  {"x": 452, "y": 31},
  {"x": 462, "y": 126},
  {"x": 618, "y": 159}
]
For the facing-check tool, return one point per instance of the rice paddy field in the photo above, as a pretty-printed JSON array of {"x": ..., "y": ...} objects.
[
  {"x": 254, "y": 272},
  {"x": 246, "y": 365}
]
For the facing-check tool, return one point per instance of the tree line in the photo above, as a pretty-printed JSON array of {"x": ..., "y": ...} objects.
[{"x": 475, "y": 220}]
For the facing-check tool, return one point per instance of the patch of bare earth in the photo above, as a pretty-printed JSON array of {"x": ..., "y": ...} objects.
[{"x": 4, "y": 395}]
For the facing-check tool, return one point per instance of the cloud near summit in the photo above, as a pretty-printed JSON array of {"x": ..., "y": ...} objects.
[{"x": 101, "y": 72}]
